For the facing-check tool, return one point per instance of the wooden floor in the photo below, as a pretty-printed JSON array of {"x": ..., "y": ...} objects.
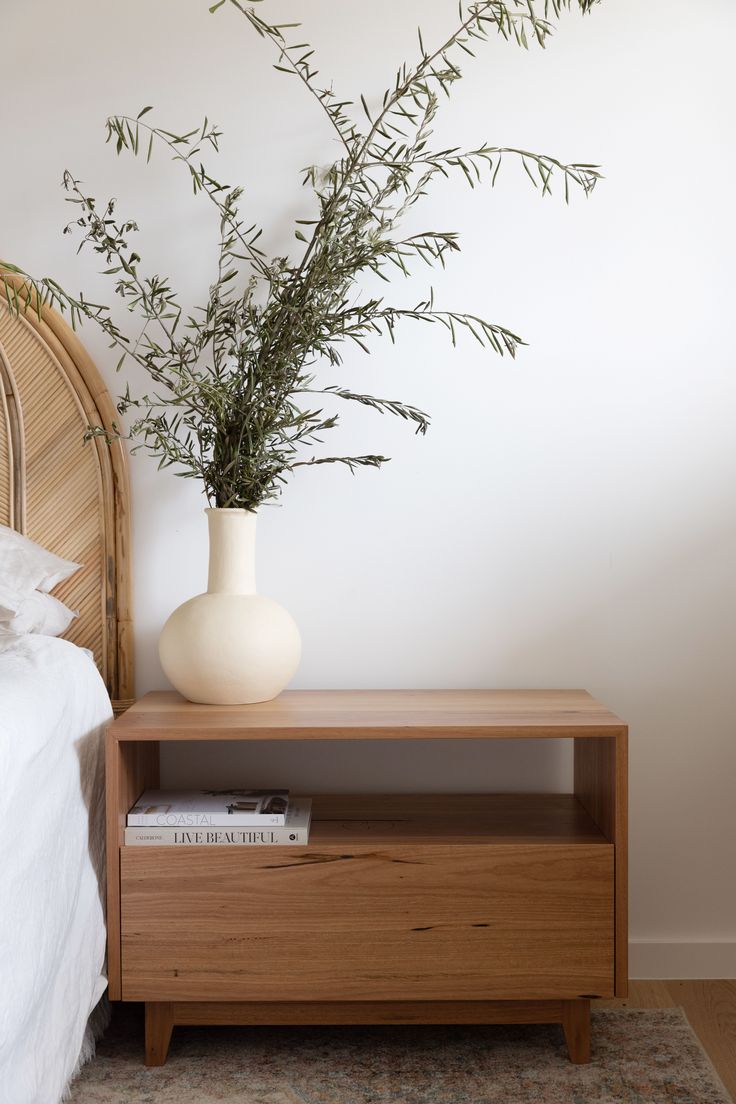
[{"x": 710, "y": 1006}]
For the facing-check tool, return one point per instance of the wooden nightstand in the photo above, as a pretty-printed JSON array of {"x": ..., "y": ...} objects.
[{"x": 492, "y": 908}]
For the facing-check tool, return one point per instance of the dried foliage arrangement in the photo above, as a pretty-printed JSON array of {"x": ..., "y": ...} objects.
[{"x": 235, "y": 400}]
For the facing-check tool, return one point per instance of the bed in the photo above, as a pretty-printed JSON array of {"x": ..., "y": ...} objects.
[{"x": 56, "y": 695}]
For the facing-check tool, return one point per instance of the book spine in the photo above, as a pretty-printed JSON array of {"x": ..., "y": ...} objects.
[
  {"x": 207, "y": 820},
  {"x": 214, "y": 837}
]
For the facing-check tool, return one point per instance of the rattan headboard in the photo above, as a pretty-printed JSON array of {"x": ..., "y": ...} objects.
[{"x": 71, "y": 497}]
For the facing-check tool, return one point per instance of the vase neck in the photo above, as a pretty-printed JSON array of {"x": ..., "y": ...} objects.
[{"x": 232, "y": 552}]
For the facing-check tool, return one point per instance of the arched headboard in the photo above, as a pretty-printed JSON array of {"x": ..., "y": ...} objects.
[{"x": 71, "y": 497}]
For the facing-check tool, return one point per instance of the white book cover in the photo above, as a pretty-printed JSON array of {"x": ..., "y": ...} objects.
[
  {"x": 295, "y": 831},
  {"x": 210, "y": 809}
]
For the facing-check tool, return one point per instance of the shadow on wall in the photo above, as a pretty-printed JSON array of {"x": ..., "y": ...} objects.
[
  {"x": 657, "y": 647},
  {"x": 660, "y": 650},
  {"x": 639, "y": 613}
]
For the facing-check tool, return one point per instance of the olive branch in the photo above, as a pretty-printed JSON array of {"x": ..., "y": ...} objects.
[{"x": 235, "y": 400}]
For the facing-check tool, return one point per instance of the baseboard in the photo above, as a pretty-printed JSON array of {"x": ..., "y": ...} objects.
[{"x": 654, "y": 959}]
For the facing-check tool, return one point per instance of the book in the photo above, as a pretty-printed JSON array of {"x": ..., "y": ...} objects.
[
  {"x": 295, "y": 831},
  {"x": 210, "y": 809}
]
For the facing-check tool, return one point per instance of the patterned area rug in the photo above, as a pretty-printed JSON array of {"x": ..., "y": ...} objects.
[{"x": 639, "y": 1057}]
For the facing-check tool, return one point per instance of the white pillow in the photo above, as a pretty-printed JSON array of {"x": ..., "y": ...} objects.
[
  {"x": 24, "y": 567},
  {"x": 40, "y": 613}
]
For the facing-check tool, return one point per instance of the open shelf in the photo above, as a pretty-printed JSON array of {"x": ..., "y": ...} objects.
[
  {"x": 385, "y": 819},
  {"x": 451, "y": 818}
]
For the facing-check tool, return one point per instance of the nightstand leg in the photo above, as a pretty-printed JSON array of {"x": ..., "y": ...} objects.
[
  {"x": 159, "y": 1025},
  {"x": 576, "y": 1025}
]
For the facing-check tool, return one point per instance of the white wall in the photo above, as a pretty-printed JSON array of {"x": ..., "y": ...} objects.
[{"x": 569, "y": 520}]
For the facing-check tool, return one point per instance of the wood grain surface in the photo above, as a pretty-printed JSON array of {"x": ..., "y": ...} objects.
[
  {"x": 451, "y": 818},
  {"x": 375, "y": 715},
  {"x": 600, "y": 778},
  {"x": 399, "y": 921},
  {"x": 129, "y": 769},
  {"x": 366, "y": 1012}
]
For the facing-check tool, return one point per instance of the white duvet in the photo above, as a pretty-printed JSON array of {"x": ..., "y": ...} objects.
[{"x": 53, "y": 705}]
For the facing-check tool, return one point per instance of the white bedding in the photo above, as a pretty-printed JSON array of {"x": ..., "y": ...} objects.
[{"x": 53, "y": 705}]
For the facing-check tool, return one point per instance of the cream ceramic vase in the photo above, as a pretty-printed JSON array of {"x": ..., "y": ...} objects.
[{"x": 230, "y": 646}]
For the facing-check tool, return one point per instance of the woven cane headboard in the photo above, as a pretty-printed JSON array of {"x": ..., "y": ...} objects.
[{"x": 71, "y": 497}]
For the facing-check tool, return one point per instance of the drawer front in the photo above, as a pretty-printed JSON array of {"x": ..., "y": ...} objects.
[{"x": 423, "y": 922}]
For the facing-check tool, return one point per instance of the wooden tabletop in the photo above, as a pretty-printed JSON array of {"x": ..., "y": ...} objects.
[{"x": 373, "y": 715}]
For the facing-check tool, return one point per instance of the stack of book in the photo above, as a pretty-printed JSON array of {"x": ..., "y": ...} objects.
[{"x": 242, "y": 818}]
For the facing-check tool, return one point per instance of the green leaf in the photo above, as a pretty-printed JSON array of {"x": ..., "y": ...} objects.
[{"x": 223, "y": 404}]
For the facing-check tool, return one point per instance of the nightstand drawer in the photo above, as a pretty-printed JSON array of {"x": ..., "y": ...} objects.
[{"x": 419, "y": 921}]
